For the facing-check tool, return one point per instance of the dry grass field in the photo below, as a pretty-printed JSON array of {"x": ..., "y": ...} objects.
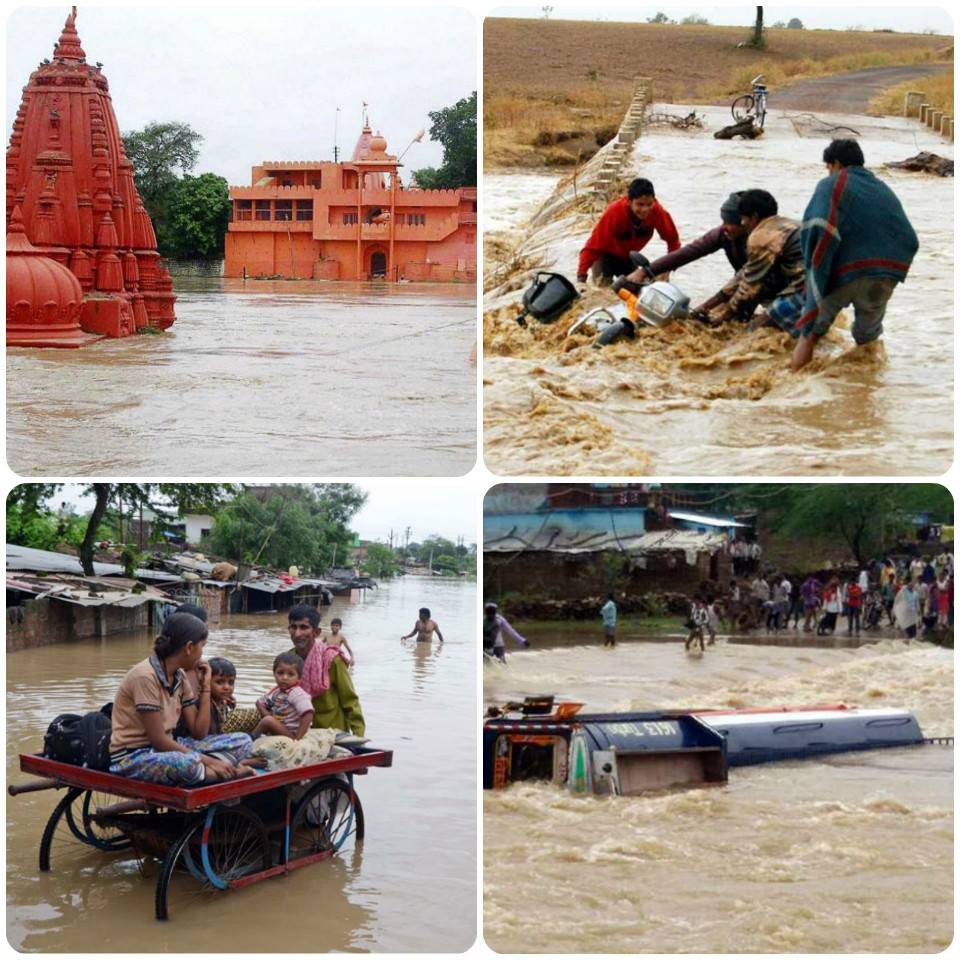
[
  {"x": 938, "y": 88},
  {"x": 554, "y": 90}
]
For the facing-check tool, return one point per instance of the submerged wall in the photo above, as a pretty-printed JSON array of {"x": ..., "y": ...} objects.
[{"x": 38, "y": 623}]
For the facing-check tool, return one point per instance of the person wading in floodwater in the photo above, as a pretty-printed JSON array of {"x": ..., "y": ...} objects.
[
  {"x": 494, "y": 627},
  {"x": 857, "y": 246},
  {"x": 609, "y": 613},
  {"x": 626, "y": 227}
]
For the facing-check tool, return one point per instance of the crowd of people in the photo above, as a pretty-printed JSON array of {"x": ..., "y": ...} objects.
[
  {"x": 851, "y": 249},
  {"x": 914, "y": 596}
]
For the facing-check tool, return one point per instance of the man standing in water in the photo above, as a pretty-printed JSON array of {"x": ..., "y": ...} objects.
[
  {"x": 609, "y": 613},
  {"x": 857, "y": 246},
  {"x": 626, "y": 226},
  {"x": 326, "y": 677},
  {"x": 424, "y": 628}
]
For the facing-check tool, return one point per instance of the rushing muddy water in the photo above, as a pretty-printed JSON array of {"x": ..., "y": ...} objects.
[
  {"x": 852, "y": 853},
  {"x": 412, "y": 885},
  {"x": 264, "y": 377},
  {"x": 688, "y": 400}
]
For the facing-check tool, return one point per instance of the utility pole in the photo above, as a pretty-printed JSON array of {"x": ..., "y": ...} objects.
[{"x": 336, "y": 149}]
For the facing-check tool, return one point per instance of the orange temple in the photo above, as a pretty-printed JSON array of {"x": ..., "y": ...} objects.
[
  {"x": 72, "y": 188},
  {"x": 350, "y": 221}
]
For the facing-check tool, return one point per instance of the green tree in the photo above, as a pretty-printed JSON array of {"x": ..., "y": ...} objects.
[
  {"x": 299, "y": 524},
  {"x": 157, "y": 152},
  {"x": 660, "y": 17},
  {"x": 197, "y": 215},
  {"x": 164, "y": 499},
  {"x": 695, "y": 19},
  {"x": 189, "y": 214},
  {"x": 794, "y": 23},
  {"x": 456, "y": 128},
  {"x": 380, "y": 562}
]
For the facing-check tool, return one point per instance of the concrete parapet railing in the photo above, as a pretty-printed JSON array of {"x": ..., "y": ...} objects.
[
  {"x": 912, "y": 102},
  {"x": 940, "y": 122}
]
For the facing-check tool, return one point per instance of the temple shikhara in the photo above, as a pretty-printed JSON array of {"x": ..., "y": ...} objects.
[
  {"x": 350, "y": 221},
  {"x": 82, "y": 255}
]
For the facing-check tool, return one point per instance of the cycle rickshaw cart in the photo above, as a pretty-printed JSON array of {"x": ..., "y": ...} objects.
[{"x": 208, "y": 838}]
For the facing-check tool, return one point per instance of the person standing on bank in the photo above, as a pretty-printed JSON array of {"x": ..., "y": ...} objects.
[
  {"x": 609, "y": 613},
  {"x": 626, "y": 227},
  {"x": 857, "y": 246}
]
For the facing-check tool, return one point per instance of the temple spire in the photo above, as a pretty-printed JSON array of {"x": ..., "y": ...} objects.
[{"x": 68, "y": 46}]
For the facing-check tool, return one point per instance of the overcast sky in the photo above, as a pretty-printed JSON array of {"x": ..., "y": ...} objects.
[
  {"x": 263, "y": 82},
  {"x": 824, "y": 16},
  {"x": 446, "y": 507}
]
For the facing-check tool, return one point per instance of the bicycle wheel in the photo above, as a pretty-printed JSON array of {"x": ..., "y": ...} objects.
[
  {"x": 235, "y": 846},
  {"x": 326, "y": 817},
  {"x": 742, "y": 108},
  {"x": 100, "y": 822}
]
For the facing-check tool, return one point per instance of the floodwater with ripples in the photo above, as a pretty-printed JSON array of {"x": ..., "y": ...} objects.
[
  {"x": 689, "y": 400},
  {"x": 849, "y": 853},
  {"x": 420, "y": 847},
  {"x": 258, "y": 378}
]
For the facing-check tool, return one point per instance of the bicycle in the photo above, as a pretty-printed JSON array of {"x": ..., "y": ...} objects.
[{"x": 753, "y": 105}]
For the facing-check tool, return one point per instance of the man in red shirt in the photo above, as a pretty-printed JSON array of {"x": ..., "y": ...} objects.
[
  {"x": 854, "y": 605},
  {"x": 626, "y": 227}
]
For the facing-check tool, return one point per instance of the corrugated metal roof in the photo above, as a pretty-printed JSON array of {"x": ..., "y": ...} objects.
[
  {"x": 86, "y": 591},
  {"x": 553, "y": 540},
  {"x": 47, "y": 561}
]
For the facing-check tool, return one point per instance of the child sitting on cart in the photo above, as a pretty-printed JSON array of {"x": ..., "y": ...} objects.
[
  {"x": 151, "y": 700},
  {"x": 287, "y": 710}
]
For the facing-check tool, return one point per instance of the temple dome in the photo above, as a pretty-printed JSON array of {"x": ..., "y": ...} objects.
[
  {"x": 378, "y": 143},
  {"x": 43, "y": 296}
]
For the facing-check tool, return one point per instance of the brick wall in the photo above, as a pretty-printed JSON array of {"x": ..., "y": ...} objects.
[
  {"x": 38, "y": 623},
  {"x": 558, "y": 576}
]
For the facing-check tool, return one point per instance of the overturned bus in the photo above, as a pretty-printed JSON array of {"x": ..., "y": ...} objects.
[{"x": 621, "y": 754}]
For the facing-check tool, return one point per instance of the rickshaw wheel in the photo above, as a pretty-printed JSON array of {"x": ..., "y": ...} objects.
[
  {"x": 63, "y": 810},
  {"x": 236, "y": 846},
  {"x": 327, "y": 815},
  {"x": 99, "y": 834}
]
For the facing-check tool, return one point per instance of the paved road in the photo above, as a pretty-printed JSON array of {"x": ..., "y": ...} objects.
[{"x": 848, "y": 92}]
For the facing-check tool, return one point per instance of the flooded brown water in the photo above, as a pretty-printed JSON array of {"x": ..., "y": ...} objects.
[
  {"x": 688, "y": 400},
  {"x": 260, "y": 378},
  {"x": 412, "y": 884},
  {"x": 852, "y": 853}
]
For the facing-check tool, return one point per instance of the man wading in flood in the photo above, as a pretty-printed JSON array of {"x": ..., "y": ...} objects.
[
  {"x": 730, "y": 237},
  {"x": 625, "y": 227},
  {"x": 773, "y": 273},
  {"x": 857, "y": 246}
]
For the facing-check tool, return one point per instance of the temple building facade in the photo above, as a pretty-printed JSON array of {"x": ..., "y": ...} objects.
[
  {"x": 72, "y": 201},
  {"x": 350, "y": 221}
]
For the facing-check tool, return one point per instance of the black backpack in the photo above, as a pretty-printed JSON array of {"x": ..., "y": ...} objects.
[{"x": 83, "y": 741}]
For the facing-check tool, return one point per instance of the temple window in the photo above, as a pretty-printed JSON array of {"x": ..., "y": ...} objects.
[
  {"x": 286, "y": 182},
  {"x": 316, "y": 182},
  {"x": 349, "y": 218},
  {"x": 304, "y": 209},
  {"x": 283, "y": 210},
  {"x": 261, "y": 210},
  {"x": 244, "y": 210}
]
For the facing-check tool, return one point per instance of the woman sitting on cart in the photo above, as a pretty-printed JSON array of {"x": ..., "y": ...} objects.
[{"x": 150, "y": 702}]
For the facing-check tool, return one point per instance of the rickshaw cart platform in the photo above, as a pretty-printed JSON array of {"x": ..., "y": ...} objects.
[{"x": 223, "y": 835}]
